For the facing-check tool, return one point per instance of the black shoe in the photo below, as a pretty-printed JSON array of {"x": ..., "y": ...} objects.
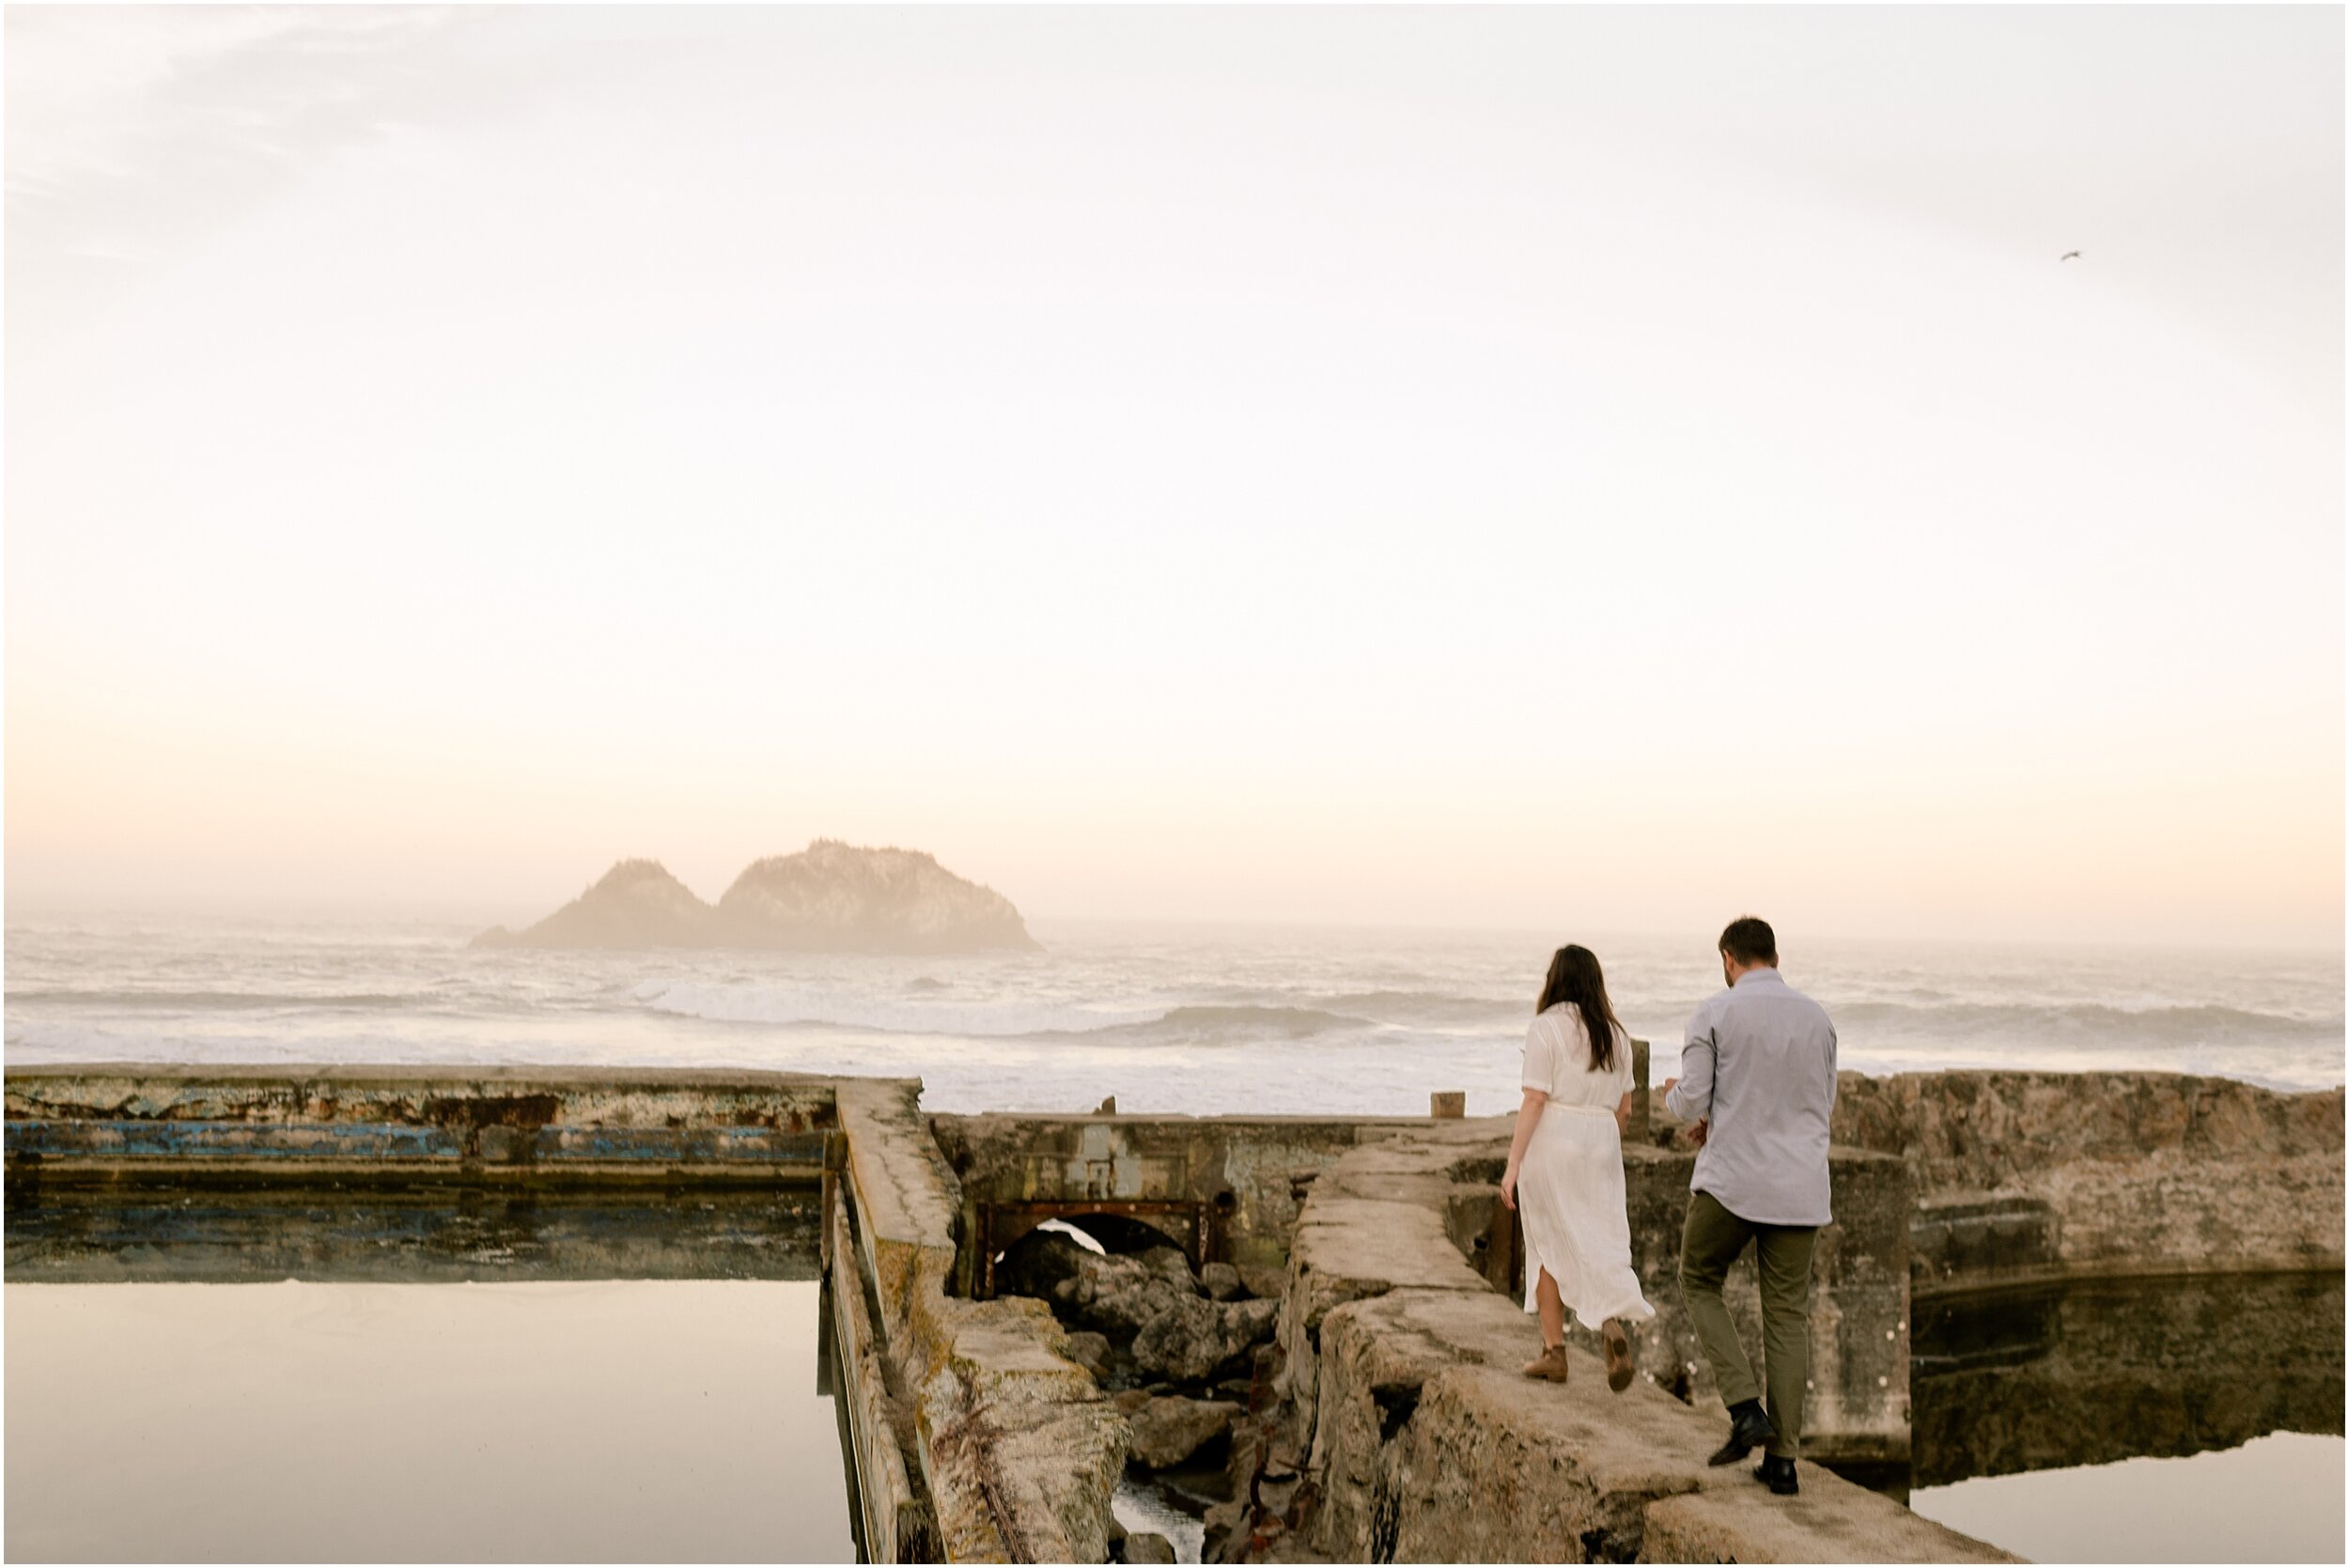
[
  {"x": 1748, "y": 1430},
  {"x": 1776, "y": 1473}
]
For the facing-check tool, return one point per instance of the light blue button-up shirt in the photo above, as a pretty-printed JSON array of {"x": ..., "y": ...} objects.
[{"x": 1759, "y": 1066}]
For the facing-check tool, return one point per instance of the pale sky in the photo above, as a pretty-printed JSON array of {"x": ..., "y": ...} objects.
[{"x": 1621, "y": 467}]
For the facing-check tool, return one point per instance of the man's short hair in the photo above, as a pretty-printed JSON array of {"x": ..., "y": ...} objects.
[{"x": 1750, "y": 941}]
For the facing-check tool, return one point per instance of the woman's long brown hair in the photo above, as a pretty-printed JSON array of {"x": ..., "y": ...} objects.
[{"x": 1575, "y": 976}]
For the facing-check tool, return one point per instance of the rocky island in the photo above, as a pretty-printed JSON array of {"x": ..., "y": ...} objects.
[{"x": 830, "y": 897}]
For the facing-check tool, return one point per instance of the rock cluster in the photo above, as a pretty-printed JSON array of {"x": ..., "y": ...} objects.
[
  {"x": 1170, "y": 1325},
  {"x": 1170, "y": 1428},
  {"x": 829, "y": 897},
  {"x": 1192, "y": 1340},
  {"x": 1179, "y": 1353}
]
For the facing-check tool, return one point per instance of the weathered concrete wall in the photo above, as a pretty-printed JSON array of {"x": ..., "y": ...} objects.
[
  {"x": 109, "y": 1122},
  {"x": 1248, "y": 1177},
  {"x": 1838, "y": 1522},
  {"x": 1858, "y": 1401},
  {"x": 1425, "y": 1443},
  {"x": 1244, "y": 1174},
  {"x": 894, "y": 1520},
  {"x": 2023, "y": 1175},
  {"x": 2015, "y": 1178},
  {"x": 1015, "y": 1446}
]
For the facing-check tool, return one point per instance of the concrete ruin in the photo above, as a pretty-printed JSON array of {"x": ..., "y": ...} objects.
[
  {"x": 2026, "y": 1176},
  {"x": 971, "y": 1436},
  {"x": 1395, "y": 1427}
]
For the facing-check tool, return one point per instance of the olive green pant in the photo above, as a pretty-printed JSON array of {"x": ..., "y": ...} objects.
[{"x": 1709, "y": 1243}]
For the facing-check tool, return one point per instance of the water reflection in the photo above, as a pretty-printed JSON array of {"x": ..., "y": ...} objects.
[
  {"x": 426, "y": 1234},
  {"x": 2149, "y": 1420},
  {"x": 531, "y": 1402},
  {"x": 2278, "y": 1498},
  {"x": 2096, "y": 1371}
]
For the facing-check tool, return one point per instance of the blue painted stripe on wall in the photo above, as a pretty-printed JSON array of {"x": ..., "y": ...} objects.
[{"x": 131, "y": 1139}]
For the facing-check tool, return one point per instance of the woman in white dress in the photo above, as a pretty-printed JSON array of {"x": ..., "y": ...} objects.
[{"x": 1565, "y": 1169}]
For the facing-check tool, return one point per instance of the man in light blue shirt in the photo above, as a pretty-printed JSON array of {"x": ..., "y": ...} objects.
[{"x": 1757, "y": 1082}]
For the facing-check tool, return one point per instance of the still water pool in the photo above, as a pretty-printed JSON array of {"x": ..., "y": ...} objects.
[
  {"x": 2275, "y": 1500},
  {"x": 437, "y": 1382},
  {"x": 2176, "y": 1420},
  {"x": 603, "y": 1420}
]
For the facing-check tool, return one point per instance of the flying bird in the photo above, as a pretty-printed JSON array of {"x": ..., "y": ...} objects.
[{"x": 2068, "y": 255}]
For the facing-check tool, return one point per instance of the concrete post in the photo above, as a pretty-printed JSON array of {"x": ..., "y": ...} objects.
[{"x": 1638, "y": 1129}]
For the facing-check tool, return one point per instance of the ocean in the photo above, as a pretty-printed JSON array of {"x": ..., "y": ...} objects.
[{"x": 1196, "y": 1018}]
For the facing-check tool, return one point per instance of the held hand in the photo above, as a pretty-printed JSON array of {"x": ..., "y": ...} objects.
[
  {"x": 1509, "y": 1187},
  {"x": 1667, "y": 1084},
  {"x": 1696, "y": 1134}
]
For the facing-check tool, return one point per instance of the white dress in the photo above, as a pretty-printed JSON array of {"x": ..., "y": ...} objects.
[{"x": 1570, "y": 1186}]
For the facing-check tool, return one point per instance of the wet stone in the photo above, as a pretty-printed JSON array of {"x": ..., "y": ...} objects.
[
  {"x": 1150, "y": 1547},
  {"x": 1120, "y": 1295},
  {"x": 1038, "y": 1263},
  {"x": 1166, "y": 1432},
  {"x": 1193, "y": 1339},
  {"x": 1089, "y": 1351},
  {"x": 1226, "y": 1528},
  {"x": 1267, "y": 1281}
]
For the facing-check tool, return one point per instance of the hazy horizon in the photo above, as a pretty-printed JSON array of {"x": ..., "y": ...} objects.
[
  {"x": 515, "y": 912},
  {"x": 1513, "y": 468}
]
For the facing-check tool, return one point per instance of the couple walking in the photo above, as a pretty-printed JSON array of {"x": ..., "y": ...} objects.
[{"x": 1758, "y": 1079}]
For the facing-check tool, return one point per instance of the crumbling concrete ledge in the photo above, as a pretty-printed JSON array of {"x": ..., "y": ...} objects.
[
  {"x": 225, "y": 1123},
  {"x": 895, "y": 1523},
  {"x": 2023, "y": 1176},
  {"x": 1015, "y": 1447},
  {"x": 1425, "y": 1442}
]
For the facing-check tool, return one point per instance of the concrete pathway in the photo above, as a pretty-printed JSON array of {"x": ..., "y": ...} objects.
[{"x": 1428, "y": 1445}]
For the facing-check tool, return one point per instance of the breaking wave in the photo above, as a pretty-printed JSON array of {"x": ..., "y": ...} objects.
[
  {"x": 206, "y": 1001},
  {"x": 1432, "y": 1007},
  {"x": 724, "y": 1004},
  {"x": 2078, "y": 1023},
  {"x": 927, "y": 1006},
  {"x": 1255, "y": 1023}
]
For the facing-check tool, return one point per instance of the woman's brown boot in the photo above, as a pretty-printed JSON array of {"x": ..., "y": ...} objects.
[
  {"x": 1550, "y": 1364},
  {"x": 1619, "y": 1367}
]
